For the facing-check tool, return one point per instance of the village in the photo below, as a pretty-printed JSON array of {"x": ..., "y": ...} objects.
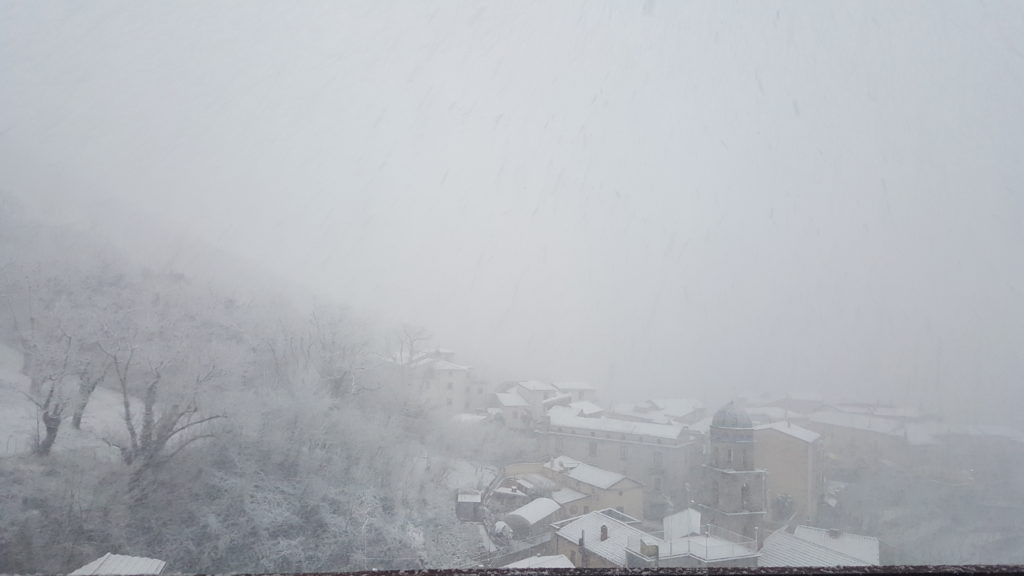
[{"x": 672, "y": 483}]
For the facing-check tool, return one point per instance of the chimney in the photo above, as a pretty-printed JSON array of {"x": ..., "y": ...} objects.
[
  {"x": 583, "y": 550},
  {"x": 604, "y": 532}
]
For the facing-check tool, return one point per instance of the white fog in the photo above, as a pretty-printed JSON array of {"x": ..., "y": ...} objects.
[{"x": 337, "y": 286}]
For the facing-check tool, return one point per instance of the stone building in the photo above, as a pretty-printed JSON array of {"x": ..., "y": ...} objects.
[{"x": 735, "y": 491}]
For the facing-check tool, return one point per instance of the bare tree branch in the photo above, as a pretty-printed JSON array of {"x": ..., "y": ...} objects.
[{"x": 185, "y": 444}]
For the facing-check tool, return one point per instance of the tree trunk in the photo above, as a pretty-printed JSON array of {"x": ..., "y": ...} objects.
[
  {"x": 28, "y": 367},
  {"x": 85, "y": 390},
  {"x": 52, "y": 424}
]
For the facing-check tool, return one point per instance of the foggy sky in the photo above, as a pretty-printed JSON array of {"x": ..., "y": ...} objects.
[{"x": 660, "y": 197}]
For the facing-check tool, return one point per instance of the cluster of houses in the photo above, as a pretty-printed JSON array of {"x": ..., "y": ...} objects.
[
  {"x": 574, "y": 509},
  {"x": 661, "y": 482}
]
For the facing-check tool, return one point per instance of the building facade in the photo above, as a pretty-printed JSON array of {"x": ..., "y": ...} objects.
[
  {"x": 441, "y": 385},
  {"x": 793, "y": 458},
  {"x": 664, "y": 458}
]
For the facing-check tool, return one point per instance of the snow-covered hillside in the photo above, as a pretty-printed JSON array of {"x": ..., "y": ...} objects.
[{"x": 19, "y": 417}]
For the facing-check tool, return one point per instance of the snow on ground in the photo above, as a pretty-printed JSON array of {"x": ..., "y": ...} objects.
[
  {"x": 465, "y": 474},
  {"x": 19, "y": 418}
]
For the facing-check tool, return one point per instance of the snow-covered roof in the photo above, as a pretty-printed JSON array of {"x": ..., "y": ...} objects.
[
  {"x": 857, "y": 421},
  {"x": 508, "y": 491},
  {"x": 581, "y": 472},
  {"x": 473, "y": 496},
  {"x": 677, "y": 407},
  {"x": 854, "y": 545},
  {"x": 537, "y": 481},
  {"x": 562, "y": 398},
  {"x": 995, "y": 431},
  {"x": 564, "y": 386},
  {"x": 467, "y": 418},
  {"x": 771, "y": 413},
  {"x": 882, "y": 411},
  {"x": 559, "y": 561},
  {"x": 510, "y": 399},
  {"x": 703, "y": 425},
  {"x": 589, "y": 526},
  {"x": 446, "y": 365},
  {"x": 706, "y": 547},
  {"x": 116, "y": 564},
  {"x": 525, "y": 484},
  {"x": 536, "y": 510},
  {"x": 566, "y": 496},
  {"x": 622, "y": 533},
  {"x": 659, "y": 410},
  {"x": 585, "y": 408},
  {"x": 784, "y": 549},
  {"x": 562, "y": 416},
  {"x": 644, "y": 411},
  {"x": 681, "y": 524},
  {"x": 798, "y": 432},
  {"x": 536, "y": 385},
  {"x": 924, "y": 433}
]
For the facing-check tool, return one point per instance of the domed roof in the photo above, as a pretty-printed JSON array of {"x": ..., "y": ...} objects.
[{"x": 732, "y": 416}]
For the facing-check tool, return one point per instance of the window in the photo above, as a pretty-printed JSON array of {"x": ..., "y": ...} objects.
[
  {"x": 623, "y": 452},
  {"x": 592, "y": 448},
  {"x": 586, "y": 509},
  {"x": 449, "y": 385},
  {"x": 656, "y": 458},
  {"x": 448, "y": 401},
  {"x": 559, "y": 443}
]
